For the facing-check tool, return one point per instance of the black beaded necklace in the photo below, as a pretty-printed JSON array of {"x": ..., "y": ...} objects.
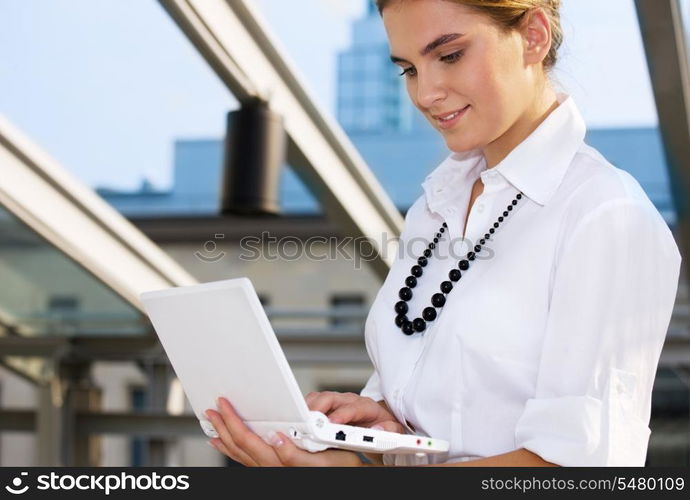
[{"x": 438, "y": 299}]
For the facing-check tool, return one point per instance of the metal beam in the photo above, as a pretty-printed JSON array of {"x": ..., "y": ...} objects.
[
  {"x": 320, "y": 347},
  {"x": 150, "y": 424},
  {"x": 74, "y": 219},
  {"x": 235, "y": 42},
  {"x": 50, "y": 423},
  {"x": 23, "y": 367},
  {"x": 661, "y": 27}
]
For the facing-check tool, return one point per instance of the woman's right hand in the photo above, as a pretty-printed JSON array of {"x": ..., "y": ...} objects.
[{"x": 352, "y": 409}]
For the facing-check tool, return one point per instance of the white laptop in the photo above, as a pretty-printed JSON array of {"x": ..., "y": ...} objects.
[{"x": 220, "y": 343}]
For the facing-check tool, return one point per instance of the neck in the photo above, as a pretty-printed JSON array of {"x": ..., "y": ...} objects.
[{"x": 543, "y": 105}]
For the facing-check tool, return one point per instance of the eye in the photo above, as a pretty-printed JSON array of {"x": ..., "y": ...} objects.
[
  {"x": 454, "y": 57},
  {"x": 449, "y": 59},
  {"x": 408, "y": 72}
]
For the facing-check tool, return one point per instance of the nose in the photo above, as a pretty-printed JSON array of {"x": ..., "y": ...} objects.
[{"x": 430, "y": 88}]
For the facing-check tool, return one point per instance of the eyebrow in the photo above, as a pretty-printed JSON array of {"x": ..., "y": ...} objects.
[{"x": 443, "y": 39}]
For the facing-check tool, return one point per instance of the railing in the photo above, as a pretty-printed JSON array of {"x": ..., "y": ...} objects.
[{"x": 286, "y": 322}]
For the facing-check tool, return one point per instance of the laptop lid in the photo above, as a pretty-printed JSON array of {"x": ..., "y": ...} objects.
[{"x": 221, "y": 343}]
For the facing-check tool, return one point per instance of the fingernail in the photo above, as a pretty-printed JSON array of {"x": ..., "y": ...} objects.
[
  {"x": 274, "y": 439},
  {"x": 210, "y": 443},
  {"x": 208, "y": 413},
  {"x": 377, "y": 427}
]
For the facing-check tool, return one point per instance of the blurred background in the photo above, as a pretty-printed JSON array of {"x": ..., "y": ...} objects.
[{"x": 120, "y": 131}]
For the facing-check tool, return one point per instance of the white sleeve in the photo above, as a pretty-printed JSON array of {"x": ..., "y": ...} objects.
[
  {"x": 614, "y": 288},
  {"x": 372, "y": 388}
]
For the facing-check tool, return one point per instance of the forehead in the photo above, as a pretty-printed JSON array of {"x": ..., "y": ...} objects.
[{"x": 413, "y": 19}]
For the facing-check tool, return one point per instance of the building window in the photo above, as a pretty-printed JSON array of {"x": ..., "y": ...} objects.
[
  {"x": 352, "y": 308},
  {"x": 63, "y": 313},
  {"x": 138, "y": 445},
  {"x": 63, "y": 304}
]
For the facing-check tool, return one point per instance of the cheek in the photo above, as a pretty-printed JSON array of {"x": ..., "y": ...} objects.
[
  {"x": 484, "y": 88},
  {"x": 496, "y": 95}
]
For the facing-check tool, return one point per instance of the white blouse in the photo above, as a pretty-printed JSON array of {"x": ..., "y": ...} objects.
[{"x": 550, "y": 340}]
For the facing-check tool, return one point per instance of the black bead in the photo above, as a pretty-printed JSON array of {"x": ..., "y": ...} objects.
[
  {"x": 438, "y": 299},
  {"x": 429, "y": 313},
  {"x": 518, "y": 196},
  {"x": 407, "y": 328}
]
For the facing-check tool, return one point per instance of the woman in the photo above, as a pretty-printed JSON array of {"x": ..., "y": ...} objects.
[{"x": 528, "y": 332}]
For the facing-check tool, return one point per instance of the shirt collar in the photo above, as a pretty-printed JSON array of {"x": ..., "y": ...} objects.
[{"x": 536, "y": 166}]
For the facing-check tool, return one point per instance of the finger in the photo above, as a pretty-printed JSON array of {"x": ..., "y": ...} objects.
[
  {"x": 321, "y": 401},
  {"x": 389, "y": 426},
  {"x": 244, "y": 438},
  {"x": 311, "y": 396},
  {"x": 233, "y": 453},
  {"x": 361, "y": 412},
  {"x": 347, "y": 414},
  {"x": 225, "y": 438},
  {"x": 325, "y": 402},
  {"x": 290, "y": 455}
]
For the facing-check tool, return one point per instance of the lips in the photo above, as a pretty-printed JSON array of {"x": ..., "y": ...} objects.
[{"x": 450, "y": 115}]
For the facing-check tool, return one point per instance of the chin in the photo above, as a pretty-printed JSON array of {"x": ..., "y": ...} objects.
[{"x": 461, "y": 144}]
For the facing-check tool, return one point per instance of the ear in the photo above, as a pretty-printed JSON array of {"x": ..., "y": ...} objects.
[{"x": 536, "y": 34}]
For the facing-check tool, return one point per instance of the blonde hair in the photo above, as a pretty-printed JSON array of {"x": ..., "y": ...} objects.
[{"x": 507, "y": 14}]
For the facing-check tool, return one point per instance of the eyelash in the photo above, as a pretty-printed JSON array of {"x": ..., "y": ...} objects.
[{"x": 449, "y": 59}]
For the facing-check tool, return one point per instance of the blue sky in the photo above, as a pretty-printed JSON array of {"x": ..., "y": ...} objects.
[{"x": 105, "y": 86}]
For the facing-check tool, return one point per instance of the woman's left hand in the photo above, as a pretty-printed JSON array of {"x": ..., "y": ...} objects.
[{"x": 241, "y": 444}]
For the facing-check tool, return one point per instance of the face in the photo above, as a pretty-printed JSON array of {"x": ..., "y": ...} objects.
[{"x": 481, "y": 72}]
